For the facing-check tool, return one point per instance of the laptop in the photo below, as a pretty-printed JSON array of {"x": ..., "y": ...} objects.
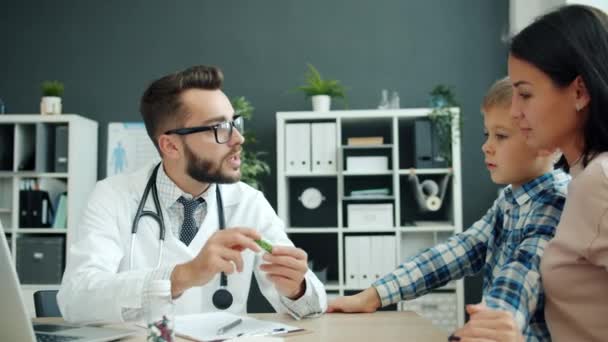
[{"x": 15, "y": 324}]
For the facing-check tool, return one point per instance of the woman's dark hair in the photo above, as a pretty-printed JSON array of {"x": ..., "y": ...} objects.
[
  {"x": 565, "y": 43},
  {"x": 161, "y": 106}
]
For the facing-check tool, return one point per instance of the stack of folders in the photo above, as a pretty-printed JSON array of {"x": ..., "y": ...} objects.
[
  {"x": 61, "y": 212},
  {"x": 365, "y": 141},
  {"x": 370, "y": 192},
  {"x": 368, "y": 258},
  {"x": 310, "y": 147}
]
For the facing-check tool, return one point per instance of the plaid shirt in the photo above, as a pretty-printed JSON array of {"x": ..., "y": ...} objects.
[{"x": 507, "y": 244}]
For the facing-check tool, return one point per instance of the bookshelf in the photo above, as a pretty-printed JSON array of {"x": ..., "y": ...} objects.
[
  {"x": 56, "y": 154},
  {"x": 323, "y": 231}
]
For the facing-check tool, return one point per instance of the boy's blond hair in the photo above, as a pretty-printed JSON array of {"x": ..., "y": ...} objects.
[{"x": 499, "y": 95}]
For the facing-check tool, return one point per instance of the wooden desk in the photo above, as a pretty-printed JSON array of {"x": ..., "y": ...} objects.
[{"x": 379, "y": 326}]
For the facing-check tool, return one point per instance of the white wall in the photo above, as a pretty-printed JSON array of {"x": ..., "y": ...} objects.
[{"x": 523, "y": 12}]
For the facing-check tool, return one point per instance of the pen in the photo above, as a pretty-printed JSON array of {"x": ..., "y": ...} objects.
[{"x": 228, "y": 326}]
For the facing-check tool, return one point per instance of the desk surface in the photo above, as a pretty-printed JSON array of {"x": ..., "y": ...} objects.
[{"x": 379, "y": 326}]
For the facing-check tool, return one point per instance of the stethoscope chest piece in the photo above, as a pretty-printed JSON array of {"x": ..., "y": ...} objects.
[{"x": 222, "y": 299}]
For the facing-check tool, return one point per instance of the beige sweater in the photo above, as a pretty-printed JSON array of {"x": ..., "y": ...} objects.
[{"x": 575, "y": 264}]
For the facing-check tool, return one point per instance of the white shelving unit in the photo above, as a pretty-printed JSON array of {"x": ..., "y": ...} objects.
[
  {"x": 396, "y": 127},
  {"x": 25, "y": 156}
]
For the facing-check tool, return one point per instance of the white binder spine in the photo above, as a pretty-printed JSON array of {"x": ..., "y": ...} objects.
[
  {"x": 324, "y": 147},
  {"x": 297, "y": 147}
]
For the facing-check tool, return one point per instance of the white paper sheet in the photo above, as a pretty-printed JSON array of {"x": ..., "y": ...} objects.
[{"x": 204, "y": 327}]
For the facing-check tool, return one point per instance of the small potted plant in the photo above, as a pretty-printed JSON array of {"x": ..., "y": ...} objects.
[
  {"x": 321, "y": 91},
  {"x": 51, "y": 97}
]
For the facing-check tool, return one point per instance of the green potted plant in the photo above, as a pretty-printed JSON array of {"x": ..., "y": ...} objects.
[
  {"x": 52, "y": 91},
  {"x": 442, "y": 99},
  {"x": 253, "y": 167},
  {"x": 319, "y": 90}
]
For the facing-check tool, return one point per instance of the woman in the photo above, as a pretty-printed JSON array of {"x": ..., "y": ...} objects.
[{"x": 559, "y": 69}]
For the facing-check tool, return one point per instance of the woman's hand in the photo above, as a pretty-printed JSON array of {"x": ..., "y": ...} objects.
[{"x": 487, "y": 325}]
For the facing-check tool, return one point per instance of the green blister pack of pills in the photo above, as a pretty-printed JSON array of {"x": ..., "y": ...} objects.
[{"x": 264, "y": 245}]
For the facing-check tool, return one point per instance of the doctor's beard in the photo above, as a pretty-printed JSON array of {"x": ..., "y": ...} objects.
[{"x": 206, "y": 171}]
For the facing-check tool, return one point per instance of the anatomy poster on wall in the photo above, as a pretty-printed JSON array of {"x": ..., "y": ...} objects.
[{"x": 129, "y": 148}]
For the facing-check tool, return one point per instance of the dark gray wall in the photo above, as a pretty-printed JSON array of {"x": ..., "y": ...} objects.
[{"x": 106, "y": 52}]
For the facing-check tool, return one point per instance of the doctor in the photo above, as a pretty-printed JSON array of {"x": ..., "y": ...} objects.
[{"x": 194, "y": 192}]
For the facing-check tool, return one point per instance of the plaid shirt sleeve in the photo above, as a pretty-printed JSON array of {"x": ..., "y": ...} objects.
[
  {"x": 517, "y": 286},
  {"x": 463, "y": 254}
]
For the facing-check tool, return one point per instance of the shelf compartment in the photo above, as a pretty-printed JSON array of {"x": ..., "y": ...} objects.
[
  {"x": 418, "y": 145},
  {"x": 410, "y": 210},
  {"x": 324, "y": 215},
  {"x": 7, "y": 149},
  {"x": 25, "y": 147},
  {"x": 322, "y": 255}
]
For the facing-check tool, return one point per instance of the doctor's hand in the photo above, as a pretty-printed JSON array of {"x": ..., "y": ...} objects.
[
  {"x": 486, "y": 324},
  {"x": 365, "y": 301},
  {"x": 221, "y": 253},
  {"x": 285, "y": 268}
]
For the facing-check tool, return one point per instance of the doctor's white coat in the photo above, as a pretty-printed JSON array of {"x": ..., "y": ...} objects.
[{"x": 98, "y": 284}]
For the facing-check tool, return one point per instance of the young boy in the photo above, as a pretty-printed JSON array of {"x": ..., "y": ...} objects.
[{"x": 506, "y": 244}]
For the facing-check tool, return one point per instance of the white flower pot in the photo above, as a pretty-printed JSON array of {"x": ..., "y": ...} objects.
[
  {"x": 50, "y": 105},
  {"x": 321, "y": 103}
]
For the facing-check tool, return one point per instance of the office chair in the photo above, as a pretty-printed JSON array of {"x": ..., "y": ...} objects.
[{"x": 45, "y": 303}]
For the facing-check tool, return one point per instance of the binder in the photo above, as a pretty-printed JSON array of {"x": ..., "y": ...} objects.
[
  {"x": 351, "y": 261},
  {"x": 423, "y": 144},
  {"x": 34, "y": 209},
  {"x": 45, "y": 147},
  {"x": 297, "y": 147},
  {"x": 61, "y": 148},
  {"x": 389, "y": 254},
  {"x": 378, "y": 270},
  {"x": 324, "y": 147},
  {"x": 61, "y": 212},
  {"x": 365, "y": 263}
]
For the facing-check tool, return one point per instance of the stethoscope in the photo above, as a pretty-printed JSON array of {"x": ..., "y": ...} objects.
[{"x": 222, "y": 298}]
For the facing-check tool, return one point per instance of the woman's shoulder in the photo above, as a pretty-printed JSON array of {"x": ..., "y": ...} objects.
[
  {"x": 593, "y": 179},
  {"x": 596, "y": 169}
]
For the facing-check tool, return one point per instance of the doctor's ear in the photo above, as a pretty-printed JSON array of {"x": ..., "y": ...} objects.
[{"x": 169, "y": 146}]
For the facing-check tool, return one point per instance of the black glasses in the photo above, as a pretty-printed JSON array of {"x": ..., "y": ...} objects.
[{"x": 222, "y": 131}]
